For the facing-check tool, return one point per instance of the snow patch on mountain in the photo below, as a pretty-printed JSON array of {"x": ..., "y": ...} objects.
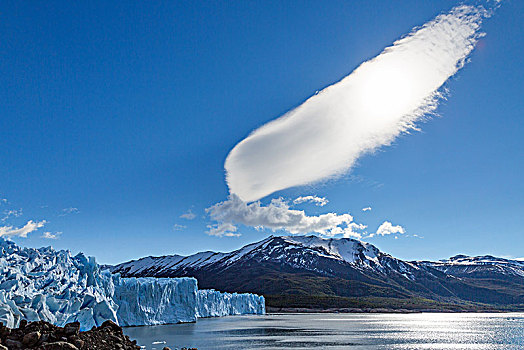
[
  {"x": 486, "y": 264},
  {"x": 348, "y": 250}
]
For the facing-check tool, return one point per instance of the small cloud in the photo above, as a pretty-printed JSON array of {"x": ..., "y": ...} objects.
[
  {"x": 3, "y": 201},
  {"x": 319, "y": 201},
  {"x": 50, "y": 235},
  {"x": 366, "y": 209},
  {"x": 224, "y": 229},
  {"x": 11, "y": 213},
  {"x": 9, "y": 231},
  {"x": 67, "y": 211},
  {"x": 387, "y": 228},
  {"x": 189, "y": 215},
  {"x": 178, "y": 227}
]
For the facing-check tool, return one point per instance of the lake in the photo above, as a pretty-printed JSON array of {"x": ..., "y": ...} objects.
[{"x": 340, "y": 331}]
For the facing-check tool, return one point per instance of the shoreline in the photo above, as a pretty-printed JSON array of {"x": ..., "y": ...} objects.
[
  {"x": 46, "y": 336},
  {"x": 276, "y": 311}
]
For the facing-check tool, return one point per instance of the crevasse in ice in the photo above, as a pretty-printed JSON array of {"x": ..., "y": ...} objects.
[{"x": 44, "y": 284}]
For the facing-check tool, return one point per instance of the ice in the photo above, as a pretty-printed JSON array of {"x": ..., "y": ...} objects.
[
  {"x": 44, "y": 284},
  {"x": 212, "y": 303},
  {"x": 54, "y": 286},
  {"x": 149, "y": 301}
]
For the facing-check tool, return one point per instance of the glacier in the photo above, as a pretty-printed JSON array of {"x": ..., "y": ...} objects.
[
  {"x": 152, "y": 301},
  {"x": 212, "y": 303},
  {"x": 54, "y": 286}
]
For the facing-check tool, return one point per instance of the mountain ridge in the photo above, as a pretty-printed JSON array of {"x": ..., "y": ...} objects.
[{"x": 290, "y": 268}]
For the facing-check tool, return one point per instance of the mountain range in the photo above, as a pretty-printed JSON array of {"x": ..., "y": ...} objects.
[{"x": 300, "y": 273}]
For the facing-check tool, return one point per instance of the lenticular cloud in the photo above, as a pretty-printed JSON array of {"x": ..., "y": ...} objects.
[{"x": 381, "y": 99}]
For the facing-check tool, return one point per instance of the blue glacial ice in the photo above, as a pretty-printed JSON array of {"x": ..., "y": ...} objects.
[
  {"x": 54, "y": 286},
  {"x": 149, "y": 301},
  {"x": 212, "y": 303}
]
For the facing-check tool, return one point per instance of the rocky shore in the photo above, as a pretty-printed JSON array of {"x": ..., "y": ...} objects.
[{"x": 45, "y": 336}]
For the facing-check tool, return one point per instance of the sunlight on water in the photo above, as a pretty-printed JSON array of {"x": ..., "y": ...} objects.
[{"x": 341, "y": 331}]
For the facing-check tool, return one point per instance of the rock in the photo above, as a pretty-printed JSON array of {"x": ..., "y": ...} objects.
[
  {"x": 23, "y": 323},
  {"x": 114, "y": 338},
  {"x": 4, "y": 331},
  {"x": 166, "y": 348},
  {"x": 79, "y": 343},
  {"x": 111, "y": 325},
  {"x": 60, "y": 345},
  {"x": 72, "y": 328},
  {"x": 44, "y": 338},
  {"x": 13, "y": 344},
  {"x": 30, "y": 339},
  {"x": 42, "y": 335}
]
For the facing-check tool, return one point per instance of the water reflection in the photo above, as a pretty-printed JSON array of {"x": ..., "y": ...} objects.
[{"x": 342, "y": 331}]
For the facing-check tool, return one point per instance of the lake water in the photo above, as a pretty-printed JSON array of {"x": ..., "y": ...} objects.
[{"x": 340, "y": 331}]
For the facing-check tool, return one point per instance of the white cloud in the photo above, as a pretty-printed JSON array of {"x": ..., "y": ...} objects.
[
  {"x": 67, "y": 211},
  {"x": 178, "y": 227},
  {"x": 277, "y": 216},
  {"x": 366, "y": 209},
  {"x": 51, "y": 235},
  {"x": 381, "y": 99},
  {"x": 11, "y": 213},
  {"x": 319, "y": 201},
  {"x": 9, "y": 231},
  {"x": 3, "y": 200},
  {"x": 387, "y": 228},
  {"x": 222, "y": 229},
  {"x": 189, "y": 215}
]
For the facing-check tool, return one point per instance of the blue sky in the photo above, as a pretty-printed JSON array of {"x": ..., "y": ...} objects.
[{"x": 127, "y": 112}]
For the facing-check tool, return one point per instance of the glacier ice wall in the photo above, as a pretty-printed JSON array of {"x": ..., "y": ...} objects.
[
  {"x": 44, "y": 284},
  {"x": 212, "y": 303},
  {"x": 54, "y": 286},
  {"x": 149, "y": 301}
]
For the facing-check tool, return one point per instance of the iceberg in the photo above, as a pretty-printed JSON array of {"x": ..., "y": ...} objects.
[{"x": 54, "y": 286}]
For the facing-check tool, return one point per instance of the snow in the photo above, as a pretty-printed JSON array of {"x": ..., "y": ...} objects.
[
  {"x": 345, "y": 249},
  {"x": 469, "y": 265},
  {"x": 281, "y": 248},
  {"x": 54, "y": 286},
  {"x": 212, "y": 303},
  {"x": 168, "y": 263}
]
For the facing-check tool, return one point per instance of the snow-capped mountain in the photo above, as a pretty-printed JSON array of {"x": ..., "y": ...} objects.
[
  {"x": 486, "y": 266},
  {"x": 309, "y": 265},
  {"x": 302, "y": 252}
]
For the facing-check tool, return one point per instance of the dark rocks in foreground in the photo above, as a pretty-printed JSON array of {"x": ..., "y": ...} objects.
[{"x": 45, "y": 336}]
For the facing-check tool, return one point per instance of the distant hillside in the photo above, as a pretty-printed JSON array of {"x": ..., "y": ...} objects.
[{"x": 315, "y": 273}]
